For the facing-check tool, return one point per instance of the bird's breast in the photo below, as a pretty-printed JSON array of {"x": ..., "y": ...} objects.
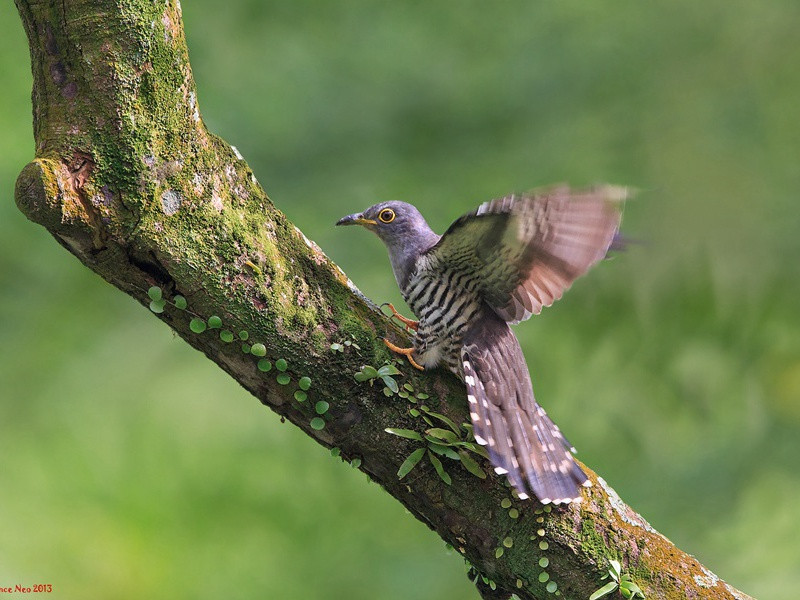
[{"x": 446, "y": 306}]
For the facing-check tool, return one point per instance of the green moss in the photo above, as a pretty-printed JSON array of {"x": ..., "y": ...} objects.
[{"x": 592, "y": 542}]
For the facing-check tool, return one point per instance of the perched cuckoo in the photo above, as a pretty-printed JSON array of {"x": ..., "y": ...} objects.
[{"x": 496, "y": 266}]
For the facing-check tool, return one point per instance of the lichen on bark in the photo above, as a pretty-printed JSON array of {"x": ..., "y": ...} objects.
[{"x": 127, "y": 178}]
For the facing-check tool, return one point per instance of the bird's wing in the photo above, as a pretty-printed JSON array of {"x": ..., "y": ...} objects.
[
  {"x": 524, "y": 251},
  {"x": 522, "y": 441}
]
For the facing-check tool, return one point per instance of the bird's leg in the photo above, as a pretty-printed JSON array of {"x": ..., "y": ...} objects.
[
  {"x": 413, "y": 325},
  {"x": 407, "y": 352}
]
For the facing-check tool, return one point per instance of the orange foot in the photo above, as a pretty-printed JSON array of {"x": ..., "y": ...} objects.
[
  {"x": 404, "y": 320},
  {"x": 407, "y": 352}
]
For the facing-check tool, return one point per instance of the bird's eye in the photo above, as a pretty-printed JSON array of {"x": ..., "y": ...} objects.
[{"x": 386, "y": 215}]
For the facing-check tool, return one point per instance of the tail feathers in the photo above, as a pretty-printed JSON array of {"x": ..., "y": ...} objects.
[{"x": 522, "y": 441}]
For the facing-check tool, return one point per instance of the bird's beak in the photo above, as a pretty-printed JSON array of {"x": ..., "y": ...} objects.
[{"x": 356, "y": 219}]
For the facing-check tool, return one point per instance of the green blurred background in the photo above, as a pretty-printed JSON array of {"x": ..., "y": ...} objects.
[{"x": 131, "y": 467}]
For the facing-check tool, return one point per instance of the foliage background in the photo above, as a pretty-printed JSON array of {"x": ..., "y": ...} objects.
[{"x": 130, "y": 467}]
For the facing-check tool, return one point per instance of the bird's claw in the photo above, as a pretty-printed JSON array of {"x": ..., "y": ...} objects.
[
  {"x": 407, "y": 352},
  {"x": 409, "y": 323}
]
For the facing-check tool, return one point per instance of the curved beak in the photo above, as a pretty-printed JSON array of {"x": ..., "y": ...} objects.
[{"x": 355, "y": 219}]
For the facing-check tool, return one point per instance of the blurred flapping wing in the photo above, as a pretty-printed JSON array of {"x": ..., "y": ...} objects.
[{"x": 524, "y": 251}]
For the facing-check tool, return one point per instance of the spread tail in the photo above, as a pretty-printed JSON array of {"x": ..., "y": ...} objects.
[{"x": 522, "y": 441}]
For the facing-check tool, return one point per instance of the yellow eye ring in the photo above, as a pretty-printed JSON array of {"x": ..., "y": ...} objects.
[{"x": 386, "y": 215}]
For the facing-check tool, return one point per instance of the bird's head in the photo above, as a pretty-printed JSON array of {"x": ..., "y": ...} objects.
[{"x": 396, "y": 223}]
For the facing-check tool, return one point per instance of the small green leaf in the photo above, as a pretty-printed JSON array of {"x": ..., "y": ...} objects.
[
  {"x": 442, "y": 434},
  {"x": 470, "y": 465},
  {"x": 513, "y": 513},
  {"x": 403, "y": 394},
  {"x": 180, "y": 302},
  {"x": 405, "y": 433},
  {"x": 337, "y": 347},
  {"x": 505, "y": 503},
  {"x": 264, "y": 365},
  {"x": 282, "y": 365},
  {"x": 360, "y": 377},
  {"x": 300, "y": 396},
  {"x": 476, "y": 448},
  {"x": 154, "y": 293},
  {"x": 260, "y": 350},
  {"x": 439, "y": 443},
  {"x": 390, "y": 383},
  {"x": 604, "y": 591},
  {"x": 437, "y": 464},
  {"x": 422, "y": 396},
  {"x": 243, "y": 335},
  {"x": 408, "y": 387},
  {"x": 226, "y": 336},
  {"x": 388, "y": 370},
  {"x": 321, "y": 407},
  {"x": 246, "y": 348},
  {"x": 444, "y": 420},
  {"x": 157, "y": 306},
  {"x": 508, "y": 542},
  {"x": 410, "y": 462},
  {"x": 317, "y": 423},
  {"x": 414, "y": 412},
  {"x": 283, "y": 379},
  {"x": 304, "y": 383},
  {"x": 544, "y": 576},
  {"x": 197, "y": 325},
  {"x": 214, "y": 322},
  {"x": 543, "y": 545},
  {"x": 387, "y": 392},
  {"x": 616, "y": 569},
  {"x": 355, "y": 463},
  {"x": 369, "y": 372},
  {"x": 551, "y": 587},
  {"x": 498, "y": 552},
  {"x": 442, "y": 450},
  {"x": 629, "y": 586},
  {"x": 543, "y": 562},
  {"x": 335, "y": 451}
]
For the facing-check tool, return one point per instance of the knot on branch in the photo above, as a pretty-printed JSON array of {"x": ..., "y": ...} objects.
[{"x": 53, "y": 193}]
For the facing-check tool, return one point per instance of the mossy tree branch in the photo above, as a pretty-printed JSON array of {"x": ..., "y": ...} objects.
[{"x": 128, "y": 179}]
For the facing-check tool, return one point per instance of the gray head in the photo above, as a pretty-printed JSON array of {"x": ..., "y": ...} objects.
[{"x": 402, "y": 228}]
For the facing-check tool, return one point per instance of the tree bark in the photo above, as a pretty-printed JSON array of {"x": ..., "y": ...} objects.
[{"x": 128, "y": 179}]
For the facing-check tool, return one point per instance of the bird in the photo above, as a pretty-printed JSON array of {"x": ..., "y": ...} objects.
[{"x": 494, "y": 267}]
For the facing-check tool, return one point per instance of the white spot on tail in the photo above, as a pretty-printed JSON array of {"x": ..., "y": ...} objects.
[{"x": 500, "y": 471}]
